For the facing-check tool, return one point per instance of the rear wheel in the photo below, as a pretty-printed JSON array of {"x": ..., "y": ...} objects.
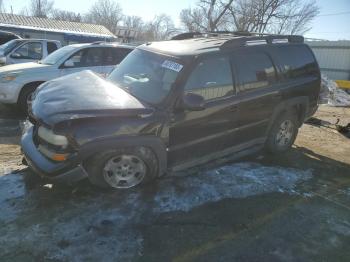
[
  {"x": 283, "y": 133},
  {"x": 122, "y": 168}
]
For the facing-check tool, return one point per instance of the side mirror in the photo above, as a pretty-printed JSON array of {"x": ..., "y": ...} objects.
[
  {"x": 16, "y": 55},
  {"x": 193, "y": 102},
  {"x": 69, "y": 63}
]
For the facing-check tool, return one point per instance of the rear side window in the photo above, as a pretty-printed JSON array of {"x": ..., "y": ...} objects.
[
  {"x": 51, "y": 47},
  {"x": 88, "y": 57},
  {"x": 113, "y": 56},
  {"x": 296, "y": 61},
  {"x": 254, "y": 70},
  {"x": 212, "y": 78}
]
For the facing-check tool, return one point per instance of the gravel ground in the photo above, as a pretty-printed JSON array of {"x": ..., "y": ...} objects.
[{"x": 292, "y": 207}]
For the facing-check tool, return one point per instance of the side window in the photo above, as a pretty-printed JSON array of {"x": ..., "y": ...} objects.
[
  {"x": 87, "y": 57},
  {"x": 94, "y": 57},
  {"x": 113, "y": 56},
  {"x": 296, "y": 61},
  {"x": 29, "y": 51},
  {"x": 51, "y": 47},
  {"x": 212, "y": 78},
  {"x": 254, "y": 70}
]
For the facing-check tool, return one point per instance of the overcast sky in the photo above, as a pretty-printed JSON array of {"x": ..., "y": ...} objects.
[{"x": 332, "y": 23}]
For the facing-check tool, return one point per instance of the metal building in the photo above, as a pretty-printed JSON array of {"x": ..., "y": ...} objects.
[
  {"x": 333, "y": 58},
  {"x": 64, "y": 31}
]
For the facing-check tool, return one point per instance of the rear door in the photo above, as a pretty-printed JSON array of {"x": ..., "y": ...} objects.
[
  {"x": 194, "y": 134},
  {"x": 258, "y": 91},
  {"x": 112, "y": 56},
  {"x": 85, "y": 59}
]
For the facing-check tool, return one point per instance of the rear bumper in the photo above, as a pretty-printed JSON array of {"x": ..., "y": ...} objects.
[{"x": 68, "y": 171}]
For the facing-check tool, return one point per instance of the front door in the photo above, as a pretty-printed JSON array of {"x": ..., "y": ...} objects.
[
  {"x": 85, "y": 59},
  {"x": 194, "y": 134},
  {"x": 28, "y": 52}
]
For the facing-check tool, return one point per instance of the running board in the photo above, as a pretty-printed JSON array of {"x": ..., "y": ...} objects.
[{"x": 239, "y": 151}]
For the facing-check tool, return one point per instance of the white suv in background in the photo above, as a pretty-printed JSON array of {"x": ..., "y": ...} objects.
[
  {"x": 18, "y": 82},
  {"x": 26, "y": 50}
]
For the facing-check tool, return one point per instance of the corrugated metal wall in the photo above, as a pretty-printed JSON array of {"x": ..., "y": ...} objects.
[{"x": 333, "y": 58}]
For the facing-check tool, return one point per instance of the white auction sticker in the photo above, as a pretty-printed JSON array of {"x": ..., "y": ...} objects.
[{"x": 172, "y": 65}]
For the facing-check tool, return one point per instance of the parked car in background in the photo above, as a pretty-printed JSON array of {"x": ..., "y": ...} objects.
[
  {"x": 17, "y": 82},
  {"x": 172, "y": 105},
  {"x": 26, "y": 50},
  {"x": 7, "y": 36}
]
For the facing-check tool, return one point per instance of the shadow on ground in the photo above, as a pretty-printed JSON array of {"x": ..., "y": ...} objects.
[{"x": 293, "y": 207}]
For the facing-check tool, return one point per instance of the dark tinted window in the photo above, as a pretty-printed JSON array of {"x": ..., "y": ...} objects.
[
  {"x": 254, "y": 70},
  {"x": 212, "y": 78},
  {"x": 88, "y": 57},
  {"x": 113, "y": 56},
  {"x": 296, "y": 61},
  {"x": 51, "y": 47}
]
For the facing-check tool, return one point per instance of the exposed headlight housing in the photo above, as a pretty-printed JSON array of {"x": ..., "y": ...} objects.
[{"x": 50, "y": 137}]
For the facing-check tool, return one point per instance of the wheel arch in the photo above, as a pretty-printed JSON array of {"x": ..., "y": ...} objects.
[
  {"x": 299, "y": 105},
  {"x": 153, "y": 143},
  {"x": 29, "y": 85}
]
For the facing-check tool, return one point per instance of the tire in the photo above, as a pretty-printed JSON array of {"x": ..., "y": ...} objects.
[
  {"x": 130, "y": 166},
  {"x": 23, "y": 98},
  {"x": 282, "y": 133}
]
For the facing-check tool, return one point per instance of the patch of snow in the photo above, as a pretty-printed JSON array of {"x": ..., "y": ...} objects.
[
  {"x": 236, "y": 181},
  {"x": 106, "y": 223},
  {"x": 331, "y": 94}
]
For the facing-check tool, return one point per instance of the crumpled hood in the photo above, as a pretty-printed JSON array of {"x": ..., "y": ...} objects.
[{"x": 83, "y": 95}]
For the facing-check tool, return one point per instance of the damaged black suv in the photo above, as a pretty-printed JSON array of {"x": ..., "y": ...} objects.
[{"x": 171, "y": 105}]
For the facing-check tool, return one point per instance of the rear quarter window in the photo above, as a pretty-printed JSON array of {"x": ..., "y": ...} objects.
[
  {"x": 113, "y": 56},
  {"x": 51, "y": 47},
  {"x": 254, "y": 70},
  {"x": 296, "y": 61}
]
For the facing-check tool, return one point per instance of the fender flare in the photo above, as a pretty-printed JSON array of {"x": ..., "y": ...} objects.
[
  {"x": 154, "y": 143},
  {"x": 286, "y": 105}
]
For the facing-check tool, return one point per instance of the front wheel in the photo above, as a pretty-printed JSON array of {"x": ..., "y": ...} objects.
[
  {"x": 122, "y": 168},
  {"x": 23, "y": 98},
  {"x": 283, "y": 133}
]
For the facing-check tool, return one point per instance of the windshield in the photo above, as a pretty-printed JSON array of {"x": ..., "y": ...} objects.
[
  {"x": 9, "y": 46},
  {"x": 56, "y": 56},
  {"x": 146, "y": 75}
]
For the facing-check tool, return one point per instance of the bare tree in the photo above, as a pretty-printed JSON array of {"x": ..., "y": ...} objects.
[
  {"x": 105, "y": 12},
  {"x": 273, "y": 16},
  {"x": 134, "y": 22},
  {"x": 160, "y": 28},
  {"x": 209, "y": 15},
  {"x": 65, "y": 16},
  {"x": 40, "y": 8}
]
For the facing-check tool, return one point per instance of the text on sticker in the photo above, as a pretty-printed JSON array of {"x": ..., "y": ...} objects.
[{"x": 172, "y": 65}]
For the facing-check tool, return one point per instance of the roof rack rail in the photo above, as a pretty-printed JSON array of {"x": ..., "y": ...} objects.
[
  {"x": 264, "y": 39},
  {"x": 240, "y": 38},
  {"x": 98, "y": 42},
  {"x": 187, "y": 35}
]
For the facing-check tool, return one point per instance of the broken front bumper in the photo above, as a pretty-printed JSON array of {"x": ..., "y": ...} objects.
[{"x": 68, "y": 171}]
